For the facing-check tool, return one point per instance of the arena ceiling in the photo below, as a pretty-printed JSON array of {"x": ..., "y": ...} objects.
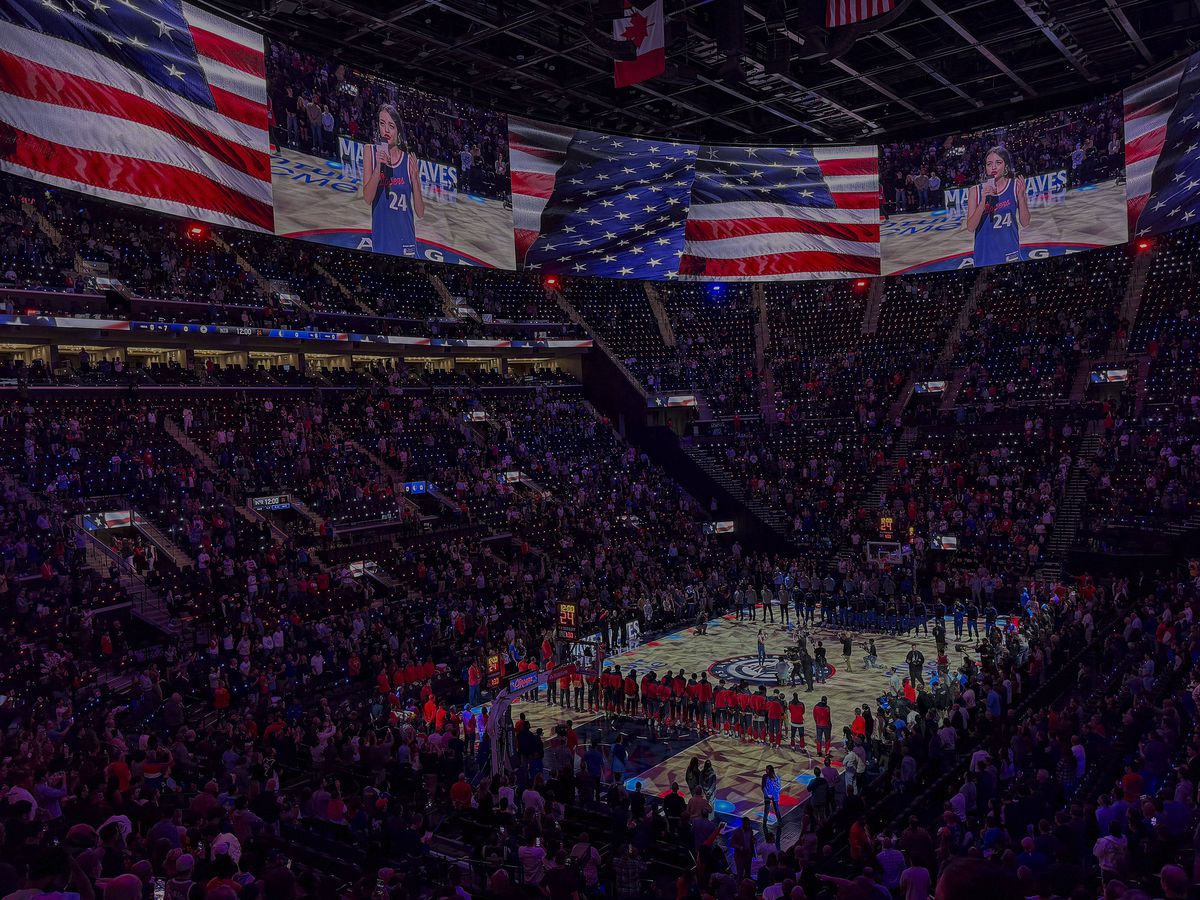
[{"x": 941, "y": 65}]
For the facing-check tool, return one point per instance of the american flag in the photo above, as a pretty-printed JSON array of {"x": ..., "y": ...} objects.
[
  {"x": 153, "y": 102},
  {"x": 1162, "y": 150},
  {"x": 847, "y": 12},
  {"x": 616, "y": 207},
  {"x": 536, "y": 151},
  {"x": 783, "y": 213}
]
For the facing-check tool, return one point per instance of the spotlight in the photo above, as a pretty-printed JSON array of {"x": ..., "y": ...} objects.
[
  {"x": 861, "y": 283},
  {"x": 716, "y": 289},
  {"x": 550, "y": 281},
  {"x": 197, "y": 232},
  {"x": 1143, "y": 244}
]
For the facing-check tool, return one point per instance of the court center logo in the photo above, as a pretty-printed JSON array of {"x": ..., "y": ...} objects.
[{"x": 749, "y": 670}]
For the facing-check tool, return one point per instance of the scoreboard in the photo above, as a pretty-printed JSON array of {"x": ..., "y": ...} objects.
[{"x": 568, "y": 620}]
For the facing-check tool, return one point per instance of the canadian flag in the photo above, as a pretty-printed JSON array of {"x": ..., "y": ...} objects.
[{"x": 643, "y": 25}]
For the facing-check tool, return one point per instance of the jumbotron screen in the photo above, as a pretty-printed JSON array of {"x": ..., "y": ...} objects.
[
  {"x": 198, "y": 117},
  {"x": 1033, "y": 189},
  {"x": 368, "y": 164}
]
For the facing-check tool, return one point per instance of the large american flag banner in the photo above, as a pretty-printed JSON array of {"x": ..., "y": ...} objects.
[
  {"x": 536, "y": 151},
  {"x": 1162, "y": 150},
  {"x": 847, "y": 12},
  {"x": 586, "y": 203},
  {"x": 152, "y": 102},
  {"x": 616, "y": 209},
  {"x": 783, "y": 213}
]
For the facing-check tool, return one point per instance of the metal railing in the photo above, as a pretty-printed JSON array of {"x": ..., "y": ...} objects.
[{"x": 136, "y": 588}]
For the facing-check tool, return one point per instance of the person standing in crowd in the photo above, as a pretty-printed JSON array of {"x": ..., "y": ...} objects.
[{"x": 915, "y": 660}]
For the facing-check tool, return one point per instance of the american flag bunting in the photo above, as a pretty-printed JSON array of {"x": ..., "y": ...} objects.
[{"x": 150, "y": 102}]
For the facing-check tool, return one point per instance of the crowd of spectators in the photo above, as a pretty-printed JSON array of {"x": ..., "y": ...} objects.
[
  {"x": 1031, "y": 326},
  {"x": 714, "y": 346},
  {"x": 997, "y": 491},
  {"x": 179, "y": 271},
  {"x": 310, "y": 722},
  {"x": 1146, "y": 470}
]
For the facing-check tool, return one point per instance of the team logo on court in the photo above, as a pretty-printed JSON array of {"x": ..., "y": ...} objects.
[{"x": 748, "y": 669}]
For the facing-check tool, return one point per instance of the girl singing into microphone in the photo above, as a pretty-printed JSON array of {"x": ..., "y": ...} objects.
[
  {"x": 392, "y": 188},
  {"x": 997, "y": 210}
]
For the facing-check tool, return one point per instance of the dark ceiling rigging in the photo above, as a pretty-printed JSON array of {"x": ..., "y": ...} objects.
[{"x": 941, "y": 65}]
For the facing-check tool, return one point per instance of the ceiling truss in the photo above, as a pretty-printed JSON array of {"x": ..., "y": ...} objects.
[{"x": 942, "y": 65}]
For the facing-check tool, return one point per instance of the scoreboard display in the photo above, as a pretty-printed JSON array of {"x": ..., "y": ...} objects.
[
  {"x": 494, "y": 671},
  {"x": 568, "y": 620}
]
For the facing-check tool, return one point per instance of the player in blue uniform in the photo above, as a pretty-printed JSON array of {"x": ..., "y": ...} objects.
[
  {"x": 392, "y": 188},
  {"x": 997, "y": 210}
]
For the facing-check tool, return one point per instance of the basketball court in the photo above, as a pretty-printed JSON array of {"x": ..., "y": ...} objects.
[
  {"x": 1079, "y": 219},
  {"x": 728, "y": 651},
  {"x": 321, "y": 200}
]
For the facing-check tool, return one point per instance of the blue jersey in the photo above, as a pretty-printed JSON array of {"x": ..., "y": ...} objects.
[
  {"x": 393, "y": 222},
  {"x": 998, "y": 237}
]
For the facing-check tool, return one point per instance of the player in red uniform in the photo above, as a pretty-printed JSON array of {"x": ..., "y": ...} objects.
[
  {"x": 822, "y": 719},
  {"x": 577, "y": 689},
  {"x": 631, "y": 693},
  {"x": 678, "y": 695},
  {"x": 564, "y": 691},
  {"x": 649, "y": 701},
  {"x": 758, "y": 703},
  {"x": 796, "y": 716},
  {"x": 743, "y": 706},
  {"x": 592, "y": 683},
  {"x": 721, "y": 707},
  {"x": 612, "y": 681},
  {"x": 662, "y": 692},
  {"x": 691, "y": 693},
  {"x": 775, "y": 719},
  {"x": 706, "y": 693}
]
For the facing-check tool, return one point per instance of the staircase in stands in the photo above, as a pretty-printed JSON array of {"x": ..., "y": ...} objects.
[
  {"x": 235, "y": 491},
  {"x": 337, "y": 285},
  {"x": 1066, "y": 521},
  {"x": 870, "y": 322},
  {"x": 665, "y": 330},
  {"x": 443, "y": 292},
  {"x": 762, "y": 345},
  {"x": 772, "y": 518},
  {"x": 576, "y": 319}
]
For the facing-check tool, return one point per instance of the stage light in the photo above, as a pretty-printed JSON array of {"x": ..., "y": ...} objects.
[
  {"x": 196, "y": 232},
  {"x": 861, "y": 283},
  {"x": 716, "y": 288},
  {"x": 1143, "y": 244}
]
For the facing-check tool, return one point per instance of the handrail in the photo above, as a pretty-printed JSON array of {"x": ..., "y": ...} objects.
[{"x": 143, "y": 590}]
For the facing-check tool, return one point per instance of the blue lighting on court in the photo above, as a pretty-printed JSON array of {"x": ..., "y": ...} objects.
[
  {"x": 631, "y": 784},
  {"x": 334, "y": 164},
  {"x": 1086, "y": 187},
  {"x": 939, "y": 212},
  {"x": 723, "y": 807},
  {"x": 804, "y": 779}
]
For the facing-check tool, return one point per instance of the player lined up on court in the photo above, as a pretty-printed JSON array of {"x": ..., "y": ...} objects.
[{"x": 674, "y": 701}]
